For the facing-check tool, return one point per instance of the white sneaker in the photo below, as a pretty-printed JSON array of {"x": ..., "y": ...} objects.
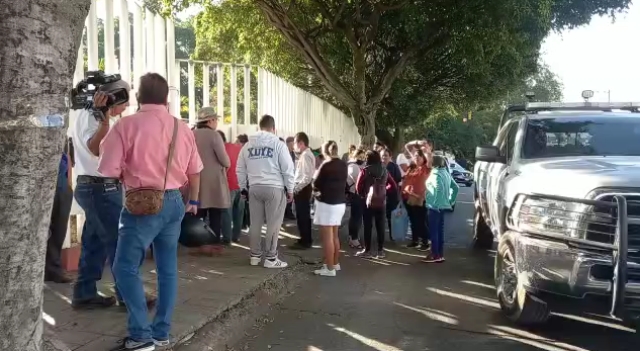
[
  {"x": 275, "y": 263},
  {"x": 325, "y": 272},
  {"x": 255, "y": 261},
  {"x": 336, "y": 267}
]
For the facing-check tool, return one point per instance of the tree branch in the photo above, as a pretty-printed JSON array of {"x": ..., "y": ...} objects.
[{"x": 309, "y": 50}]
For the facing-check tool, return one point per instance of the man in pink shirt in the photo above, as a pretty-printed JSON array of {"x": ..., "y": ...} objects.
[
  {"x": 232, "y": 218},
  {"x": 136, "y": 150}
]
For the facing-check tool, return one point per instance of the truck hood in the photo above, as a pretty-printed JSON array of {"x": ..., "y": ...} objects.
[{"x": 577, "y": 176}]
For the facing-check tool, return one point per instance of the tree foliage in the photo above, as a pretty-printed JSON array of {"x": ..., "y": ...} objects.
[
  {"x": 368, "y": 57},
  {"x": 460, "y": 130}
]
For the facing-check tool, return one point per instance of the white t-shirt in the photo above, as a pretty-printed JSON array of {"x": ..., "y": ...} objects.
[
  {"x": 83, "y": 129},
  {"x": 402, "y": 160}
]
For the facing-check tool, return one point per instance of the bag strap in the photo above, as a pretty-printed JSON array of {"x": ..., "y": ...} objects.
[{"x": 172, "y": 147}]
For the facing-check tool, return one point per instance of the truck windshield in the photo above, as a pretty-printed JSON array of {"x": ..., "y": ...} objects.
[{"x": 582, "y": 136}]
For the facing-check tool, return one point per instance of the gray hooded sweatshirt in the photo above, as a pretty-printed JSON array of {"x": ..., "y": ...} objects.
[{"x": 265, "y": 161}]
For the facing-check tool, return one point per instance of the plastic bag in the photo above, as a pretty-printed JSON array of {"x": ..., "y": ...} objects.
[{"x": 399, "y": 223}]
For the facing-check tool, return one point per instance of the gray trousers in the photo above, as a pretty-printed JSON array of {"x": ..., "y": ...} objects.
[{"x": 266, "y": 204}]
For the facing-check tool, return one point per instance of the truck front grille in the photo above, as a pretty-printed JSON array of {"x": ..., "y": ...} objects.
[{"x": 607, "y": 234}]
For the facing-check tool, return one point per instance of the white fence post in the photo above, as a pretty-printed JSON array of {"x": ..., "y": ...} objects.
[
  {"x": 192, "y": 94},
  {"x": 220, "y": 90},
  {"x": 247, "y": 95},
  {"x": 92, "y": 38},
  {"x": 206, "y": 99}
]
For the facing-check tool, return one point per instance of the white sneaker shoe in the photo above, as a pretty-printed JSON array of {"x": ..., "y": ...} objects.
[
  {"x": 336, "y": 267},
  {"x": 255, "y": 260},
  {"x": 275, "y": 263},
  {"x": 325, "y": 272}
]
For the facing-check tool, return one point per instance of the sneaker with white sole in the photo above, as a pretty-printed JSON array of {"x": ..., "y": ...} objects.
[
  {"x": 325, "y": 272},
  {"x": 161, "y": 344},
  {"x": 128, "y": 344},
  {"x": 255, "y": 260},
  {"x": 275, "y": 263},
  {"x": 336, "y": 267}
]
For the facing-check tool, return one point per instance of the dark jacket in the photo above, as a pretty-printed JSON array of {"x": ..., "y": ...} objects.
[{"x": 394, "y": 172}]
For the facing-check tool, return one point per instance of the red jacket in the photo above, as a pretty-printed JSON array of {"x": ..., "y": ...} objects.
[{"x": 233, "y": 150}]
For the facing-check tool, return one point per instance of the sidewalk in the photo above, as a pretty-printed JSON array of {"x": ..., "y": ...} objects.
[{"x": 207, "y": 288}]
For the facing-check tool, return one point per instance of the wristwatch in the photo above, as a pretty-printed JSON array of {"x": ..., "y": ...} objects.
[{"x": 194, "y": 202}]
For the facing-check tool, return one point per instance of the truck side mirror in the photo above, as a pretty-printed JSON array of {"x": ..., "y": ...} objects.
[{"x": 489, "y": 154}]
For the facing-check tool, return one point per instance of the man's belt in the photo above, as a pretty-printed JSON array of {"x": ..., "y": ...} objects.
[{"x": 86, "y": 179}]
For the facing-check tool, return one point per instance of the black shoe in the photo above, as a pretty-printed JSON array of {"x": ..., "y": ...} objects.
[
  {"x": 151, "y": 301},
  {"x": 94, "y": 303},
  {"x": 236, "y": 240},
  {"x": 424, "y": 247},
  {"x": 127, "y": 344},
  {"x": 60, "y": 278},
  {"x": 412, "y": 245},
  {"x": 290, "y": 216},
  {"x": 299, "y": 246},
  {"x": 226, "y": 242}
]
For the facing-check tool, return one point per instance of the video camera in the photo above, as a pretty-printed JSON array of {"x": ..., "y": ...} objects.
[{"x": 82, "y": 94}]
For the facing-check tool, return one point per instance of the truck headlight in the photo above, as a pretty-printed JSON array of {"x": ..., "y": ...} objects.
[{"x": 550, "y": 216}]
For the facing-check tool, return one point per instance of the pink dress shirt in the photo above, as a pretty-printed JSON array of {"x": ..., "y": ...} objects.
[{"x": 136, "y": 149}]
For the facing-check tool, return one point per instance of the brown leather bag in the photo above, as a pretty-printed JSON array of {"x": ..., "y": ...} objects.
[{"x": 148, "y": 201}]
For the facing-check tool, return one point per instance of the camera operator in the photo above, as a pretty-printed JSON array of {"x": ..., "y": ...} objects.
[{"x": 99, "y": 197}]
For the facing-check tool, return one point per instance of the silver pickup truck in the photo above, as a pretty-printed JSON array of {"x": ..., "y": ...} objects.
[{"x": 559, "y": 191}]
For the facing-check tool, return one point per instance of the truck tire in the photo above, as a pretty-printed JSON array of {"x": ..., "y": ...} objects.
[
  {"x": 520, "y": 306},
  {"x": 482, "y": 235}
]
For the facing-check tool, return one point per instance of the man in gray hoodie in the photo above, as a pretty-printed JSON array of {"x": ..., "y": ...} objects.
[{"x": 265, "y": 174}]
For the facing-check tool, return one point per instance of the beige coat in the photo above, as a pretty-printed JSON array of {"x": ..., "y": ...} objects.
[{"x": 214, "y": 188}]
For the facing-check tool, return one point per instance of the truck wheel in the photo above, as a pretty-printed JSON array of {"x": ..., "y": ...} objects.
[
  {"x": 482, "y": 235},
  {"x": 516, "y": 303}
]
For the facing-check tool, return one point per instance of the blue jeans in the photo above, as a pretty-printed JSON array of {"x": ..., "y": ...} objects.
[
  {"x": 137, "y": 233},
  {"x": 102, "y": 204},
  {"x": 233, "y": 217},
  {"x": 436, "y": 229}
]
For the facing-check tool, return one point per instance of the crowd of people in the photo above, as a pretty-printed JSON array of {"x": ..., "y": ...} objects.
[{"x": 136, "y": 180}]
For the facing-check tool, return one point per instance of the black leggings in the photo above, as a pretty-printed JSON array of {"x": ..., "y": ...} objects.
[
  {"x": 355, "y": 218},
  {"x": 213, "y": 217},
  {"x": 373, "y": 217},
  {"x": 418, "y": 220}
]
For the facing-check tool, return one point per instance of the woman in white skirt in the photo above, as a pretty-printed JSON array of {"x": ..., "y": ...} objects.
[{"x": 329, "y": 186}]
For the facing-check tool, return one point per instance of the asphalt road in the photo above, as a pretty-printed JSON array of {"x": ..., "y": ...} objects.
[{"x": 402, "y": 304}]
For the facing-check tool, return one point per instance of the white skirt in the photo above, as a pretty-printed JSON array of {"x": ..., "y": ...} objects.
[{"x": 328, "y": 215}]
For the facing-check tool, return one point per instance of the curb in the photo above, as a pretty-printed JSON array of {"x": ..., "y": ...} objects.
[{"x": 222, "y": 326}]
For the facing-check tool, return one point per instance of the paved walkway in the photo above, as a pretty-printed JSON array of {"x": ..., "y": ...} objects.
[{"x": 208, "y": 286}]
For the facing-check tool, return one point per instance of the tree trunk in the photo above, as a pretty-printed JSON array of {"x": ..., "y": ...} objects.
[
  {"x": 366, "y": 124},
  {"x": 398, "y": 140},
  {"x": 38, "y": 50}
]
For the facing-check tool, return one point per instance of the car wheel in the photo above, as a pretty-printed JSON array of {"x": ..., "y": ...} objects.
[
  {"x": 520, "y": 306},
  {"x": 482, "y": 235}
]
